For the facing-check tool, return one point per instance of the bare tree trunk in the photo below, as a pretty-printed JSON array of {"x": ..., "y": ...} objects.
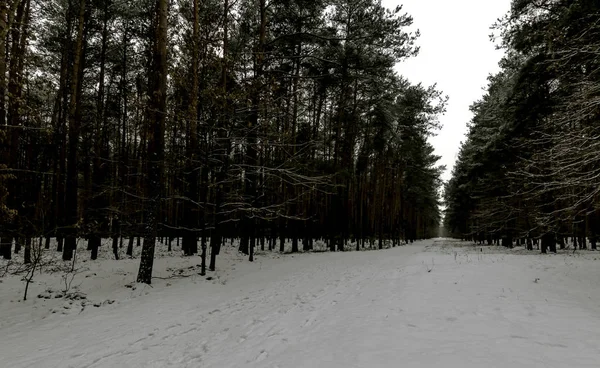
[
  {"x": 60, "y": 136},
  {"x": 223, "y": 145},
  {"x": 94, "y": 244},
  {"x": 190, "y": 235},
  {"x": 3, "y": 54},
  {"x": 27, "y": 254},
  {"x": 72, "y": 215},
  {"x": 129, "y": 251},
  {"x": 6, "y": 247},
  {"x": 17, "y": 21},
  {"x": 252, "y": 150},
  {"x": 116, "y": 230},
  {"x": 115, "y": 246},
  {"x": 155, "y": 153},
  {"x": 101, "y": 143}
]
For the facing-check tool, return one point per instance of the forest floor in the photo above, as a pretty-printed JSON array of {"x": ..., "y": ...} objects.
[{"x": 430, "y": 304}]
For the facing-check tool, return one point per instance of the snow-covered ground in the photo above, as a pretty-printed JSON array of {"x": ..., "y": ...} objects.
[{"x": 436, "y": 303}]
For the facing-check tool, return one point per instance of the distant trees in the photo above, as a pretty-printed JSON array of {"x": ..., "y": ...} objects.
[
  {"x": 529, "y": 167},
  {"x": 205, "y": 120}
]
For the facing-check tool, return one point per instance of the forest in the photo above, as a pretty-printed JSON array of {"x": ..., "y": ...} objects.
[
  {"x": 235, "y": 183},
  {"x": 199, "y": 121},
  {"x": 529, "y": 170}
]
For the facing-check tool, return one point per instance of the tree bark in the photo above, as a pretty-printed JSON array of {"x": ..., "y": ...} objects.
[
  {"x": 94, "y": 243},
  {"x": 71, "y": 203},
  {"x": 100, "y": 166},
  {"x": 190, "y": 235},
  {"x": 129, "y": 251},
  {"x": 6, "y": 247},
  {"x": 27, "y": 253},
  {"x": 223, "y": 148},
  {"x": 155, "y": 151}
]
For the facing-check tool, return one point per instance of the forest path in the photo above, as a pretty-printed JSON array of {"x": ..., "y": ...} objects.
[{"x": 422, "y": 305}]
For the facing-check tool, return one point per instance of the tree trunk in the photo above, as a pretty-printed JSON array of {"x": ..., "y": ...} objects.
[
  {"x": 244, "y": 243},
  {"x": 215, "y": 244},
  {"x": 157, "y": 104},
  {"x": 552, "y": 242},
  {"x": 14, "y": 27},
  {"x": 129, "y": 251},
  {"x": 223, "y": 148},
  {"x": 252, "y": 151},
  {"x": 203, "y": 256},
  {"x": 74, "y": 133},
  {"x": 27, "y": 253},
  {"x": 187, "y": 242},
  {"x": 529, "y": 244},
  {"x": 548, "y": 242},
  {"x": 115, "y": 246},
  {"x": 561, "y": 242},
  {"x": 305, "y": 240},
  {"x": 4, "y": 28},
  {"x": 6, "y": 247},
  {"x": 94, "y": 243},
  {"x": 190, "y": 236}
]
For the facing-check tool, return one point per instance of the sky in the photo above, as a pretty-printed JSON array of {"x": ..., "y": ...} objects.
[{"x": 457, "y": 54}]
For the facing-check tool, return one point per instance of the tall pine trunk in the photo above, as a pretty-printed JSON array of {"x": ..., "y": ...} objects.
[
  {"x": 71, "y": 205},
  {"x": 156, "y": 116},
  {"x": 223, "y": 148},
  {"x": 252, "y": 151},
  {"x": 190, "y": 236}
]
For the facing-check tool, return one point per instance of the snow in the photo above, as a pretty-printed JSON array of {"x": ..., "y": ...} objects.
[{"x": 433, "y": 303}]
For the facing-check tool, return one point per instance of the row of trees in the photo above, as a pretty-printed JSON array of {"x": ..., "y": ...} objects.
[
  {"x": 205, "y": 119},
  {"x": 530, "y": 167}
]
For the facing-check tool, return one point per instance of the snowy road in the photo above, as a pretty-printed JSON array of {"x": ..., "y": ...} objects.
[{"x": 412, "y": 306}]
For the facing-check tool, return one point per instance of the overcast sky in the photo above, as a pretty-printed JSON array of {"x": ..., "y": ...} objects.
[{"x": 457, "y": 54}]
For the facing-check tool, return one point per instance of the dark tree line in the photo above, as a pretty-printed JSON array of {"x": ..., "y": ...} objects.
[
  {"x": 530, "y": 167},
  {"x": 205, "y": 120}
]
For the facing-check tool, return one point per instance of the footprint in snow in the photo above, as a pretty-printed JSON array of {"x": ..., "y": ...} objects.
[
  {"x": 552, "y": 345},
  {"x": 137, "y": 341},
  {"x": 173, "y": 326},
  {"x": 262, "y": 356}
]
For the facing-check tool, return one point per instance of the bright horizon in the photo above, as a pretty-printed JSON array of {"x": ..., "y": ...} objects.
[{"x": 457, "y": 55}]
